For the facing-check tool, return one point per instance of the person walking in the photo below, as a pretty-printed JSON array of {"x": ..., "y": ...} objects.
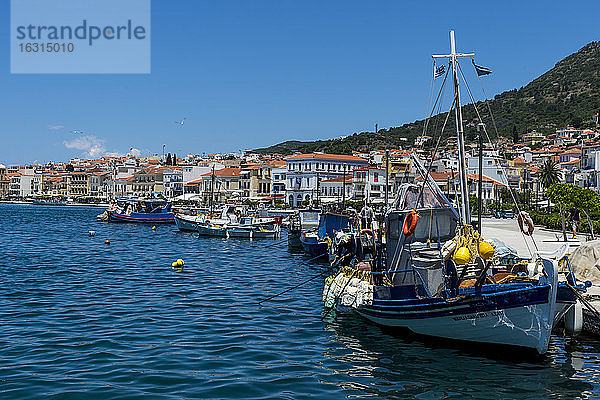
[
  {"x": 366, "y": 216},
  {"x": 574, "y": 216}
]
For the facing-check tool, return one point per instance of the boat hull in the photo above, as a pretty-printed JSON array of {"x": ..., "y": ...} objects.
[
  {"x": 251, "y": 233},
  {"x": 150, "y": 218},
  {"x": 186, "y": 225},
  {"x": 522, "y": 318},
  {"x": 314, "y": 247},
  {"x": 204, "y": 230},
  {"x": 294, "y": 239}
]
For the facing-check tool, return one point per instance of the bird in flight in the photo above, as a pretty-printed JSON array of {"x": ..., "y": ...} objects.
[
  {"x": 75, "y": 131},
  {"x": 180, "y": 122}
]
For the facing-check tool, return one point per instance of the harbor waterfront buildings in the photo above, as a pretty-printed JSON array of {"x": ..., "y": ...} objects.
[
  {"x": 306, "y": 171},
  {"x": 299, "y": 180}
]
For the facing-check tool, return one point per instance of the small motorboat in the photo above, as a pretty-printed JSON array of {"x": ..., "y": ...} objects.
[{"x": 252, "y": 227}]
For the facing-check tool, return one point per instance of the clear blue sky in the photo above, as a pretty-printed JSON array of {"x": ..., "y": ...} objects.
[{"x": 248, "y": 74}]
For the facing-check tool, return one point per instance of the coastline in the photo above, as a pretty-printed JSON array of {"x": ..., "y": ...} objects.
[{"x": 99, "y": 205}]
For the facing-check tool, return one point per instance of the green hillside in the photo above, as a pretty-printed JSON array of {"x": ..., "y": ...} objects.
[{"x": 569, "y": 93}]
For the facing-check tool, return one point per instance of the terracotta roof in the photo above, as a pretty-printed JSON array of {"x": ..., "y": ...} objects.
[
  {"x": 437, "y": 176},
  {"x": 225, "y": 172},
  {"x": 484, "y": 179}
]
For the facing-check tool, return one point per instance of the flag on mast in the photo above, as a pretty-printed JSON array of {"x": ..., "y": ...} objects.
[
  {"x": 481, "y": 70},
  {"x": 439, "y": 71}
]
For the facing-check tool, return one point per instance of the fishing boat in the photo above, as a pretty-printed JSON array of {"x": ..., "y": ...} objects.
[
  {"x": 437, "y": 276},
  {"x": 141, "y": 210},
  {"x": 253, "y": 227},
  {"x": 316, "y": 242},
  {"x": 303, "y": 220},
  {"x": 189, "y": 223}
]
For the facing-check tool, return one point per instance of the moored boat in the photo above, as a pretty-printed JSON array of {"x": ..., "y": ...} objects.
[
  {"x": 304, "y": 220},
  {"x": 316, "y": 242},
  {"x": 141, "y": 211},
  {"x": 438, "y": 276}
]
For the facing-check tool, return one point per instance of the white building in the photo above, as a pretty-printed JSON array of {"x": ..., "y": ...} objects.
[
  {"x": 278, "y": 177},
  {"x": 491, "y": 168},
  {"x": 172, "y": 182},
  {"x": 369, "y": 185},
  {"x": 304, "y": 171},
  {"x": 332, "y": 190}
]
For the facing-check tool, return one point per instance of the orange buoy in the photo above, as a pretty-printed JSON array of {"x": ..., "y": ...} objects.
[{"x": 410, "y": 223}]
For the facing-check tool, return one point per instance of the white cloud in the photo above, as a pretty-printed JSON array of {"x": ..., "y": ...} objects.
[
  {"x": 91, "y": 145},
  {"x": 55, "y": 127}
]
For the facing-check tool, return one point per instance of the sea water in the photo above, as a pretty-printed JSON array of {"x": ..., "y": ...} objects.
[{"x": 80, "y": 319}]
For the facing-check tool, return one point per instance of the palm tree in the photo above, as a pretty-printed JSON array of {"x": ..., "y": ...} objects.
[{"x": 548, "y": 175}]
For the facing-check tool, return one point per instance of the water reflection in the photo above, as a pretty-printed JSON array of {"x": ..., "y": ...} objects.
[{"x": 380, "y": 363}]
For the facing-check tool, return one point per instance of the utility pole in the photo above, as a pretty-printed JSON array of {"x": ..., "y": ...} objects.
[
  {"x": 318, "y": 189},
  {"x": 387, "y": 177},
  {"x": 344, "y": 187}
]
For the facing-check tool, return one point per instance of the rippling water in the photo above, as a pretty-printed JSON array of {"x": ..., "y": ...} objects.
[{"x": 84, "y": 320}]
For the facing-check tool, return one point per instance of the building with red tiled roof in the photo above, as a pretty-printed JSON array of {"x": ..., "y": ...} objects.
[
  {"x": 304, "y": 171},
  {"x": 222, "y": 185}
]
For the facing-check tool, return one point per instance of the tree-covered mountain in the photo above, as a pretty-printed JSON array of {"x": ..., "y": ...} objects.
[{"x": 569, "y": 94}]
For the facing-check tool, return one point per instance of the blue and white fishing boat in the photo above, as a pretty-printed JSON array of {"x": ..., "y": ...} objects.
[
  {"x": 437, "y": 276},
  {"x": 139, "y": 210},
  {"x": 304, "y": 220},
  {"x": 316, "y": 242}
]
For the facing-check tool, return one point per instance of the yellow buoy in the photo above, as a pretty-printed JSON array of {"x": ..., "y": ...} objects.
[
  {"x": 154, "y": 228},
  {"x": 462, "y": 256},
  {"x": 177, "y": 264},
  {"x": 486, "y": 251}
]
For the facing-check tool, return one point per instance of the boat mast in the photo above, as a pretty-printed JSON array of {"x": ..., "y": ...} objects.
[{"x": 462, "y": 167}]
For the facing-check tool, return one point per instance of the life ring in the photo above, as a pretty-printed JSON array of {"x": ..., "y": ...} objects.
[
  {"x": 367, "y": 231},
  {"x": 410, "y": 223},
  {"x": 524, "y": 219}
]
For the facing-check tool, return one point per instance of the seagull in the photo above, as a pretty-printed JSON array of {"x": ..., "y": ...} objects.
[
  {"x": 180, "y": 122},
  {"x": 75, "y": 131}
]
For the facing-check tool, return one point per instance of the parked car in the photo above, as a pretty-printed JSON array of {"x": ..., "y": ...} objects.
[{"x": 504, "y": 214}]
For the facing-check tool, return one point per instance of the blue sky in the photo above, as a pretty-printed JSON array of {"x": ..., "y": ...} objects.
[{"x": 247, "y": 74}]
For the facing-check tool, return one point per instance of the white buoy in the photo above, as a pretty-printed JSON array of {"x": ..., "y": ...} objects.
[
  {"x": 92, "y": 233},
  {"x": 574, "y": 319}
]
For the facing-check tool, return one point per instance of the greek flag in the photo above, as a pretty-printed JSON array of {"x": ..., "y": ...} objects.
[
  {"x": 481, "y": 70},
  {"x": 439, "y": 71}
]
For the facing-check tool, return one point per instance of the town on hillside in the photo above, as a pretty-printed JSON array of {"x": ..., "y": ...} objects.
[{"x": 299, "y": 180}]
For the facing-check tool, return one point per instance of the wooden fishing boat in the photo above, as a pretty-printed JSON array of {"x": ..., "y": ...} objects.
[
  {"x": 141, "y": 211},
  {"x": 434, "y": 275}
]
